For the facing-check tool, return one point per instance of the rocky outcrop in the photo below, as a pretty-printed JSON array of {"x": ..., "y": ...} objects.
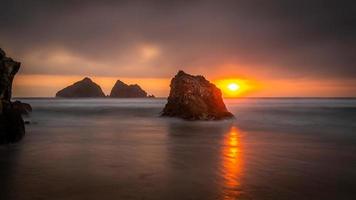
[
  {"x": 195, "y": 98},
  {"x": 122, "y": 90},
  {"x": 83, "y": 88},
  {"x": 12, "y": 127},
  {"x": 8, "y": 69},
  {"x": 22, "y": 108}
]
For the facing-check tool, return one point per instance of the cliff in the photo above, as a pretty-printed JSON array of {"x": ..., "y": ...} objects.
[{"x": 12, "y": 127}]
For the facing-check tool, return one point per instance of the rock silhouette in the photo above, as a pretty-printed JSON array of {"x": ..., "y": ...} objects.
[
  {"x": 83, "y": 88},
  {"x": 8, "y": 69},
  {"x": 122, "y": 90},
  {"x": 22, "y": 108},
  {"x": 195, "y": 98},
  {"x": 12, "y": 127}
]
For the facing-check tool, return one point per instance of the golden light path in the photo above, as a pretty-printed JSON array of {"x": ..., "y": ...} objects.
[{"x": 231, "y": 164}]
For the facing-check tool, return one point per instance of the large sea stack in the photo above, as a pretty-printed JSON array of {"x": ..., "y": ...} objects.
[
  {"x": 122, "y": 90},
  {"x": 12, "y": 127},
  {"x": 195, "y": 98},
  {"x": 81, "y": 89}
]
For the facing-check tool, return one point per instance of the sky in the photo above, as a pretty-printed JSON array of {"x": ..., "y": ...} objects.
[{"x": 276, "y": 47}]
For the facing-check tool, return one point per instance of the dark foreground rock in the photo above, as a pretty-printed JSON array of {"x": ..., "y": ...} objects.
[
  {"x": 195, "y": 98},
  {"x": 12, "y": 127},
  {"x": 122, "y": 90},
  {"x": 22, "y": 108},
  {"x": 83, "y": 88}
]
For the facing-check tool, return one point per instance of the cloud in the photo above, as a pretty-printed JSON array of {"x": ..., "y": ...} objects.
[{"x": 275, "y": 38}]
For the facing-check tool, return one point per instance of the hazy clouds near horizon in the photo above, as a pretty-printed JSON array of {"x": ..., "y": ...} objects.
[{"x": 278, "y": 38}]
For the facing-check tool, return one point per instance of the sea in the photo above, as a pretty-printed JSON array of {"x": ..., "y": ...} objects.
[{"x": 274, "y": 148}]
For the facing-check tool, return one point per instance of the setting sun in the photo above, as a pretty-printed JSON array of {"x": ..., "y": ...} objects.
[{"x": 233, "y": 87}]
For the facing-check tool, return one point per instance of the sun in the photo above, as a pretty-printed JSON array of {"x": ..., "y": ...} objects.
[{"x": 233, "y": 86}]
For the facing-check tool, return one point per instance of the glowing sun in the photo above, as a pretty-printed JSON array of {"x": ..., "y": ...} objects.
[{"x": 233, "y": 86}]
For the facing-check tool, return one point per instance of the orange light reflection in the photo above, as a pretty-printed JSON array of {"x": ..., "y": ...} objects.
[{"x": 231, "y": 164}]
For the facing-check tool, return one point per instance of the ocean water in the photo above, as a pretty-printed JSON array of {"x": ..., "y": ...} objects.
[{"x": 122, "y": 149}]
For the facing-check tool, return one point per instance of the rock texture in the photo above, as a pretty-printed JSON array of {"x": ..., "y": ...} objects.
[
  {"x": 8, "y": 69},
  {"x": 122, "y": 90},
  {"x": 195, "y": 98},
  {"x": 83, "y": 88},
  {"x": 12, "y": 127}
]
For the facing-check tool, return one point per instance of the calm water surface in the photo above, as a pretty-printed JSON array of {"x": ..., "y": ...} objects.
[{"x": 122, "y": 149}]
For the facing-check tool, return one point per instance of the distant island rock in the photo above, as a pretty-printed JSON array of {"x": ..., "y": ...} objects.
[
  {"x": 83, "y": 88},
  {"x": 122, "y": 90},
  {"x": 12, "y": 127},
  {"x": 195, "y": 98}
]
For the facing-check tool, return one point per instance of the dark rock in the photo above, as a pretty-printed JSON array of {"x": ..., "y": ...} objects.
[
  {"x": 151, "y": 96},
  {"x": 12, "y": 127},
  {"x": 122, "y": 90},
  {"x": 2, "y": 54},
  {"x": 195, "y": 98},
  {"x": 83, "y": 88},
  {"x": 22, "y": 108},
  {"x": 8, "y": 69}
]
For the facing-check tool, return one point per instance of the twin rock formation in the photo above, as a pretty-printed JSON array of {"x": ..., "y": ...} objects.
[
  {"x": 12, "y": 127},
  {"x": 87, "y": 88}
]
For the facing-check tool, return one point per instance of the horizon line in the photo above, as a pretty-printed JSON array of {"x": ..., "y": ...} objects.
[{"x": 262, "y": 97}]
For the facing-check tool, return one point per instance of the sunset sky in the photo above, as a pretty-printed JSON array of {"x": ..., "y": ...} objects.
[{"x": 275, "y": 48}]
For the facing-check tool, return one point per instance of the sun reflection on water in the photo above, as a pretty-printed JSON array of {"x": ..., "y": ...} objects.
[{"x": 231, "y": 164}]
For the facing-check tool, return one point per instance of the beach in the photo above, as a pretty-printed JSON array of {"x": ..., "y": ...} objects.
[{"x": 275, "y": 148}]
